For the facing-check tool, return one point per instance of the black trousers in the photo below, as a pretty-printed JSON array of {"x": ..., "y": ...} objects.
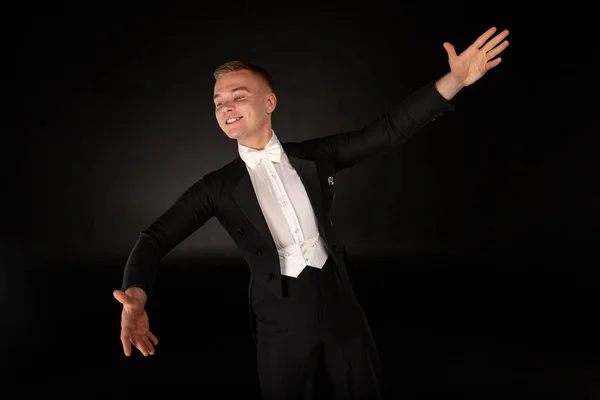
[{"x": 316, "y": 343}]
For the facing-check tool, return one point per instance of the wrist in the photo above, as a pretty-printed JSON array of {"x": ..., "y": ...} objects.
[
  {"x": 448, "y": 86},
  {"x": 138, "y": 293}
]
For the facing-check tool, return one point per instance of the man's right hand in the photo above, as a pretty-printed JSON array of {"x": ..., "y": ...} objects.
[{"x": 135, "y": 327}]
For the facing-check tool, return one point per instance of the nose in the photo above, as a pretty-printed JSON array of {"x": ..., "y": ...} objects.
[{"x": 227, "y": 106}]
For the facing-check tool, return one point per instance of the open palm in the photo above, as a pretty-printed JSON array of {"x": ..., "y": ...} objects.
[
  {"x": 478, "y": 58},
  {"x": 135, "y": 325}
]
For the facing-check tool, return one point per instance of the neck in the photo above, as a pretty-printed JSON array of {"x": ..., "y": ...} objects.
[{"x": 257, "y": 142}]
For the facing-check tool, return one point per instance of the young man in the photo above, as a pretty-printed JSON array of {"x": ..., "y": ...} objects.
[{"x": 277, "y": 202}]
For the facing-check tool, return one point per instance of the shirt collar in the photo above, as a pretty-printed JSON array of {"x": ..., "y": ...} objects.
[{"x": 252, "y": 156}]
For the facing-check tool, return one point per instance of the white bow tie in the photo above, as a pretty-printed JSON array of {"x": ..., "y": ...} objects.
[{"x": 252, "y": 157}]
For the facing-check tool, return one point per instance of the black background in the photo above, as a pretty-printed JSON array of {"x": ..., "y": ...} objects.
[{"x": 473, "y": 245}]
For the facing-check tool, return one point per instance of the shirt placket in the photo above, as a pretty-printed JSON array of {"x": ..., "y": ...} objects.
[{"x": 284, "y": 202}]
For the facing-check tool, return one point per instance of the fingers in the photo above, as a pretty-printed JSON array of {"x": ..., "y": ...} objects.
[
  {"x": 494, "y": 42},
  {"x": 450, "y": 50},
  {"x": 122, "y": 297},
  {"x": 143, "y": 344},
  {"x": 153, "y": 338},
  {"x": 491, "y": 64},
  {"x": 484, "y": 37},
  {"x": 497, "y": 50},
  {"x": 126, "y": 340}
]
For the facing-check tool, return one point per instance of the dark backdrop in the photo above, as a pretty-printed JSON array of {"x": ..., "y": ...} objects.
[{"x": 473, "y": 245}]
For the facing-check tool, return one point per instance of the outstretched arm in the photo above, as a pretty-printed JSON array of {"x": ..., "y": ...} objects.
[
  {"x": 186, "y": 215},
  {"x": 404, "y": 119}
]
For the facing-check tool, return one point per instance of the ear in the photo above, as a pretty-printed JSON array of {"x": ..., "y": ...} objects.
[{"x": 271, "y": 102}]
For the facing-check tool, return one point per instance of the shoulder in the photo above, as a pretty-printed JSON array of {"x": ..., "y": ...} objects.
[
  {"x": 214, "y": 184},
  {"x": 229, "y": 173},
  {"x": 312, "y": 149}
]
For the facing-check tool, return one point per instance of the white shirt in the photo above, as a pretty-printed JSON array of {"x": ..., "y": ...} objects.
[{"x": 286, "y": 208}]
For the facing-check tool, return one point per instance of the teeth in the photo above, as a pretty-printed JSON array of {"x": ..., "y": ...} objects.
[{"x": 230, "y": 120}]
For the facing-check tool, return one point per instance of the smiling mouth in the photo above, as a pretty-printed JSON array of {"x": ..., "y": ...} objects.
[{"x": 232, "y": 120}]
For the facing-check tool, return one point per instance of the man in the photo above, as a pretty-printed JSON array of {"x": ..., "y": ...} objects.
[{"x": 277, "y": 203}]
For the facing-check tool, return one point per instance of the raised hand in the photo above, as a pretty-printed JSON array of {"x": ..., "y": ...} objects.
[
  {"x": 478, "y": 58},
  {"x": 135, "y": 327}
]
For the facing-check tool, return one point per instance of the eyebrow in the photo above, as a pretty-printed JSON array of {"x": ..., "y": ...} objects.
[{"x": 235, "y": 89}]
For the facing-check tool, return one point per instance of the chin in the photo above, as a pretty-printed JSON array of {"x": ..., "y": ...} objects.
[{"x": 234, "y": 134}]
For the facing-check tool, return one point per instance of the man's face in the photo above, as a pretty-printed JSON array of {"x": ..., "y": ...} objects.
[{"x": 243, "y": 104}]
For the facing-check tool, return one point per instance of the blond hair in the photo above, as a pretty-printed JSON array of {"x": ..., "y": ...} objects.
[{"x": 232, "y": 66}]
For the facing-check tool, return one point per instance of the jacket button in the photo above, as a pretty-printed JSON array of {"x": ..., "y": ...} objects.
[
  {"x": 240, "y": 231},
  {"x": 330, "y": 223},
  {"x": 271, "y": 276},
  {"x": 259, "y": 252},
  {"x": 332, "y": 196},
  {"x": 334, "y": 248}
]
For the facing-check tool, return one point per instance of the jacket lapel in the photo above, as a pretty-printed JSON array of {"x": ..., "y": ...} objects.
[
  {"x": 245, "y": 197},
  {"x": 309, "y": 174}
]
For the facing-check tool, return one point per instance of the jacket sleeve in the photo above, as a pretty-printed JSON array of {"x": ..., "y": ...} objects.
[
  {"x": 396, "y": 125},
  {"x": 189, "y": 212}
]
